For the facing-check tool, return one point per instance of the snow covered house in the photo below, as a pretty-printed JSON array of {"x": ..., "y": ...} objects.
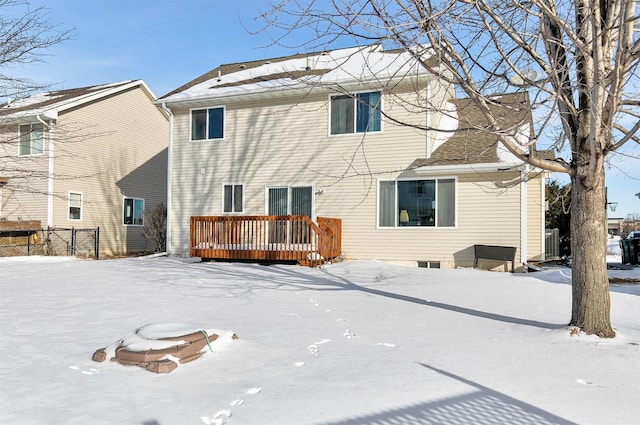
[
  {"x": 363, "y": 135},
  {"x": 86, "y": 157}
]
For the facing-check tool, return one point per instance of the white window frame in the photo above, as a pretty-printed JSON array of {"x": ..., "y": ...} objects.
[
  {"x": 353, "y": 96},
  {"x": 124, "y": 200},
  {"x": 233, "y": 186},
  {"x": 207, "y": 108},
  {"x": 31, "y": 139},
  {"x": 395, "y": 200},
  {"x": 69, "y": 206}
]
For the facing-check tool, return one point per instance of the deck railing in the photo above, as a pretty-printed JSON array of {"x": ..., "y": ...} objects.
[{"x": 266, "y": 238}]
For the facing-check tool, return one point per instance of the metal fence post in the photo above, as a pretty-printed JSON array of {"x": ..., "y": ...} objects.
[{"x": 49, "y": 248}]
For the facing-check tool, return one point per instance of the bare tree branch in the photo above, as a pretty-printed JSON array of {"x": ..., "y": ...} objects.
[
  {"x": 577, "y": 59},
  {"x": 25, "y": 36}
]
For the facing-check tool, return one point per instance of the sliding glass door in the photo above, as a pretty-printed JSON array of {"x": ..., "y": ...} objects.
[{"x": 290, "y": 200}]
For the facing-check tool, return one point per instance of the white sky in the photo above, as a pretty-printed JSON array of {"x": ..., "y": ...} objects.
[{"x": 168, "y": 43}]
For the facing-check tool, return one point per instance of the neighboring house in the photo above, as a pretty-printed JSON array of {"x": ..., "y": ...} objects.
[
  {"x": 84, "y": 158},
  {"x": 342, "y": 134},
  {"x": 614, "y": 225}
]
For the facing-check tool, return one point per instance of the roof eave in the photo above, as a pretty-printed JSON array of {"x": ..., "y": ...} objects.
[
  {"x": 468, "y": 168},
  {"x": 104, "y": 93},
  {"x": 282, "y": 91},
  {"x": 30, "y": 116},
  {"x": 54, "y": 110}
]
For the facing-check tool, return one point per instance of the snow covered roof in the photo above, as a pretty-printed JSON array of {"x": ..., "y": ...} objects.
[
  {"x": 50, "y": 104},
  {"x": 329, "y": 69}
]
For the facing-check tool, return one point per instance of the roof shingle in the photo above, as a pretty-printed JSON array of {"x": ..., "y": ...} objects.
[
  {"x": 472, "y": 142},
  {"x": 50, "y": 100}
]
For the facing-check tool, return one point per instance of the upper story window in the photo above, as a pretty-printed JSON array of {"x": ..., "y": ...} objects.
[
  {"x": 359, "y": 113},
  {"x": 428, "y": 202},
  {"x": 207, "y": 124},
  {"x": 31, "y": 139},
  {"x": 133, "y": 211}
]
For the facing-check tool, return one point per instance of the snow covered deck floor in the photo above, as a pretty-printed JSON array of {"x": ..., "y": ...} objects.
[{"x": 266, "y": 238}]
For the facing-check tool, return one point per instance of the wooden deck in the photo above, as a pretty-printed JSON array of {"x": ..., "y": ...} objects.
[{"x": 266, "y": 238}]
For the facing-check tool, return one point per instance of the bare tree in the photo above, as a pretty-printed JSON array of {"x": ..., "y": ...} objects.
[
  {"x": 155, "y": 226},
  {"x": 577, "y": 59},
  {"x": 24, "y": 172},
  {"x": 25, "y": 36}
]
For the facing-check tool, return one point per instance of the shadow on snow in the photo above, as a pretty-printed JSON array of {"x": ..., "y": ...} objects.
[{"x": 480, "y": 405}]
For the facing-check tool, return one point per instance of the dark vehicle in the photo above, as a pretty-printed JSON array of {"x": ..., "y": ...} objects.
[{"x": 631, "y": 248}]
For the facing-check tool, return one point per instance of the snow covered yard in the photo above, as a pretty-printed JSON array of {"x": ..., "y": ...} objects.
[{"x": 351, "y": 343}]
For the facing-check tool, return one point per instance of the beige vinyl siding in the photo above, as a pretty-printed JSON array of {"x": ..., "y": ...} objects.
[
  {"x": 18, "y": 205},
  {"x": 25, "y": 195},
  {"x": 477, "y": 223},
  {"x": 112, "y": 148},
  {"x": 278, "y": 144},
  {"x": 535, "y": 217},
  {"x": 269, "y": 144}
]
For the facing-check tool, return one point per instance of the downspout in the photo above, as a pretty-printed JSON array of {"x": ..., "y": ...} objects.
[
  {"x": 169, "y": 185},
  {"x": 543, "y": 202},
  {"x": 428, "y": 118},
  {"x": 49, "y": 172},
  {"x": 524, "y": 178}
]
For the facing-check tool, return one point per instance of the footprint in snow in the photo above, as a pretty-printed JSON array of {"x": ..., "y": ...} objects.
[
  {"x": 588, "y": 383},
  {"x": 350, "y": 334},
  {"x": 91, "y": 371},
  {"x": 387, "y": 344},
  {"x": 298, "y": 364},
  {"x": 314, "y": 348},
  {"x": 239, "y": 401},
  {"x": 220, "y": 418}
]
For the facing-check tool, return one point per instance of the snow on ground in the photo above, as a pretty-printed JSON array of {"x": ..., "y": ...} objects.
[{"x": 351, "y": 343}]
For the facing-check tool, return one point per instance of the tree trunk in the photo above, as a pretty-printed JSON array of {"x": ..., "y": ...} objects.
[{"x": 591, "y": 302}]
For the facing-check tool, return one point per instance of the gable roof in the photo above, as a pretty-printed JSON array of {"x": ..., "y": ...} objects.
[
  {"x": 327, "y": 69},
  {"x": 50, "y": 104},
  {"x": 470, "y": 143}
]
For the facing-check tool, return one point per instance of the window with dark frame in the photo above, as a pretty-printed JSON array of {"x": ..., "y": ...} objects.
[{"x": 133, "y": 214}]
